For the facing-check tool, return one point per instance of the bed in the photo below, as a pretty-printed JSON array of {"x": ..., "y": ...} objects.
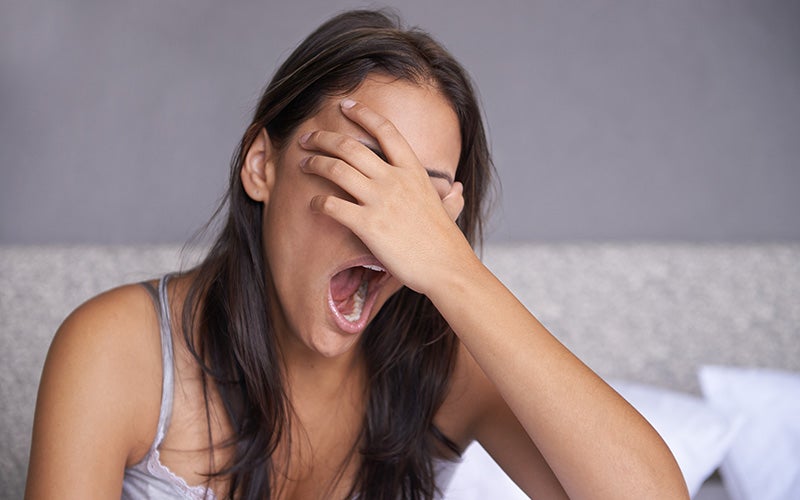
[{"x": 702, "y": 339}]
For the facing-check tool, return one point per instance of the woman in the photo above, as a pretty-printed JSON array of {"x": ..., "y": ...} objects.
[{"x": 341, "y": 339}]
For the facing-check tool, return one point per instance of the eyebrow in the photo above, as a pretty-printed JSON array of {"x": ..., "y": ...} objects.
[{"x": 437, "y": 174}]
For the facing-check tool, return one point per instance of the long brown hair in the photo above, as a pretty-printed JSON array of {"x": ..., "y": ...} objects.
[{"x": 409, "y": 349}]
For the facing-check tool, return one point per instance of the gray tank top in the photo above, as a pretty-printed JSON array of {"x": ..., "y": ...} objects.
[{"x": 150, "y": 479}]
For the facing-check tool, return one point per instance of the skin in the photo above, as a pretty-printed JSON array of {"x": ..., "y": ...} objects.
[
  {"x": 294, "y": 233},
  {"x": 328, "y": 199}
]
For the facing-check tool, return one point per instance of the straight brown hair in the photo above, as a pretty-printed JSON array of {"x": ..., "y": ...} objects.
[{"x": 409, "y": 349}]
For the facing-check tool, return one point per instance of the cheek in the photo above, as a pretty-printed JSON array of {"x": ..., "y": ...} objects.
[
  {"x": 285, "y": 218},
  {"x": 289, "y": 202},
  {"x": 295, "y": 189},
  {"x": 293, "y": 234}
]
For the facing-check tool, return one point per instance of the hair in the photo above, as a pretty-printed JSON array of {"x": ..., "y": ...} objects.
[{"x": 226, "y": 315}]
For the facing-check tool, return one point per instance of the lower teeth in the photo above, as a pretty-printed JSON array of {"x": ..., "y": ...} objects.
[{"x": 358, "y": 302}]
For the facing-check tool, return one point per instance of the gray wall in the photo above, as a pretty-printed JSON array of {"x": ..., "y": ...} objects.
[{"x": 610, "y": 120}]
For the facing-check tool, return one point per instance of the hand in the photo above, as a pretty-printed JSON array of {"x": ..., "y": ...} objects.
[{"x": 395, "y": 211}]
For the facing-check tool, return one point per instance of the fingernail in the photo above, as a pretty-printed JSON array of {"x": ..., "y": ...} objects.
[
  {"x": 304, "y": 161},
  {"x": 348, "y": 103},
  {"x": 304, "y": 137}
]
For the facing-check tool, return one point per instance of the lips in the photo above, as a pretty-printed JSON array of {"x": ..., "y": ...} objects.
[{"x": 352, "y": 293}]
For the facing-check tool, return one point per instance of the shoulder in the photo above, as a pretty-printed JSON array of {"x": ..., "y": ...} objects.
[
  {"x": 113, "y": 317},
  {"x": 110, "y": 340},
  {"x": 109, "y": 349},
  {"x": 99, "y": 396},
  {"x": 112, "y": 331}
]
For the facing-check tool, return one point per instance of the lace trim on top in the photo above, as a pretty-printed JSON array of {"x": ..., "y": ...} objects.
[
  {"x": 161, "y": 471},
  {"x": 151, "y": 463}
]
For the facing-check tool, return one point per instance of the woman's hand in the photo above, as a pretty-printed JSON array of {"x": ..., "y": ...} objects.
[
  {"x": 592, "y": 441},
  {"x": 396, "y": 211}
]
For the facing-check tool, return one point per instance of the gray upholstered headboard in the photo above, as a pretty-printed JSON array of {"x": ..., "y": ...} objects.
[
  {"x": 651, "y": 313},
  {"x": 654, "y": 313}
]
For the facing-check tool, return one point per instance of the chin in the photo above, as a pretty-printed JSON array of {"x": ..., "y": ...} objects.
[{"x": 332, "y": 344}]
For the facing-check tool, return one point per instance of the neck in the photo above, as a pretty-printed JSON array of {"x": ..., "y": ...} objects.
[
  {"x": 314, "y": 375},
  {"x": 311, "y": 376}
]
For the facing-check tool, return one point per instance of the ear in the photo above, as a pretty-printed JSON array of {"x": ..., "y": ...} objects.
[{"x": 258, "y": 170}]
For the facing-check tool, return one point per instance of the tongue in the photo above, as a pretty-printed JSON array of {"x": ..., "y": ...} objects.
[{"x": 345, "y": 283}]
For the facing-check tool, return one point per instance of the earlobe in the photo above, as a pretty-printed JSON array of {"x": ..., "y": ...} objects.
[{"x": 258, "y": 170}]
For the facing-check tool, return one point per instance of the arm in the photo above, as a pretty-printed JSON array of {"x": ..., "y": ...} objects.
[
  {"x": 93, "y": 414},
  {"x": 475, "y": 410},
  {"x": 596, "y": 444}
]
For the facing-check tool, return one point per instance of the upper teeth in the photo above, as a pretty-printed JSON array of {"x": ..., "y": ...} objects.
[{"x": 373, "y": 267}]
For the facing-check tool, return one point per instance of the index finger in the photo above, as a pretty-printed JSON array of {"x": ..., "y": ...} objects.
[{"x": 394, "y": 146}]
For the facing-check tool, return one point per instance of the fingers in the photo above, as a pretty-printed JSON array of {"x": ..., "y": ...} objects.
[
  {"x": 342, "y": 211},
  {"x": 358, "y": 170},
  {"x": 340, "y": 173},
  {"x": 454, "y": 201},
  {"x": 393, "y": 146},
  {"x": 345, "y": 148},
  {"x": 392, "y": 142}
]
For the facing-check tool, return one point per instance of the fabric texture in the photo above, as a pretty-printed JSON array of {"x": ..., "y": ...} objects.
[
  {"x": 480, "y": 478},
  {"x": 698, "y": 434},
  {"x": 646, "y": 312},
  {"x": 764, "y": 460}
]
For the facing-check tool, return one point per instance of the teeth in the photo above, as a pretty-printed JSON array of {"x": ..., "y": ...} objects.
[
  {"x": 358, "y": 302},
  {"x": 373, "y": 267}
]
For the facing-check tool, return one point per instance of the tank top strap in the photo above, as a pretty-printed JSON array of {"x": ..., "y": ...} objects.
[{"x": 161, "y": 301}]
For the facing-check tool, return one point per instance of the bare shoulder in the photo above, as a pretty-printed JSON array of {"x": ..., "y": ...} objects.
[
  {"x": 115, "y": 320},
  {"x": 99, "y": 396}
]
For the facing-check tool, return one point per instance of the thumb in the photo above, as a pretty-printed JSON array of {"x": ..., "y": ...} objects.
[{"x": 454, "y": 200}]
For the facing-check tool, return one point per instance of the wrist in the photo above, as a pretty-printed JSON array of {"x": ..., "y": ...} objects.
[{"x": 458, "y": 272}]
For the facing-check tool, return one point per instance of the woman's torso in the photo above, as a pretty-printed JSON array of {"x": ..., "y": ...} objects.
[{"x": 177, "y": 458}]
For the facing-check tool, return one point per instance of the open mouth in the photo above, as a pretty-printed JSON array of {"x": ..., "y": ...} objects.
[{"x": 352, "y": 294}]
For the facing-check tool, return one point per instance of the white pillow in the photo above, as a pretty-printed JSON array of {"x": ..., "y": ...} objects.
[
  {"x": 478, "y": 477},
  {"x": 697, "y": 434},
  {"x": 764, "y": 460}
]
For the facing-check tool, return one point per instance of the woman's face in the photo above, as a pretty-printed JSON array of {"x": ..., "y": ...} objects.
[{"x": 327, "y": 283}]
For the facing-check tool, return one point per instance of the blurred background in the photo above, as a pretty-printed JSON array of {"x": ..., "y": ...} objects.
[{"x": 611, "y": 120}]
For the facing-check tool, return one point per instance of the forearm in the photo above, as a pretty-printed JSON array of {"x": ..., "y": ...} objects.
[{"x": 597, "y": 445}]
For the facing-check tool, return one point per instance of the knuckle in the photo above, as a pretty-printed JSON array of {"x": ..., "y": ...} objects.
[
  {"x": 385, "y": 127},
  {"x": 334, "y": 168},
  {"x": 345, "y": 144}
]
